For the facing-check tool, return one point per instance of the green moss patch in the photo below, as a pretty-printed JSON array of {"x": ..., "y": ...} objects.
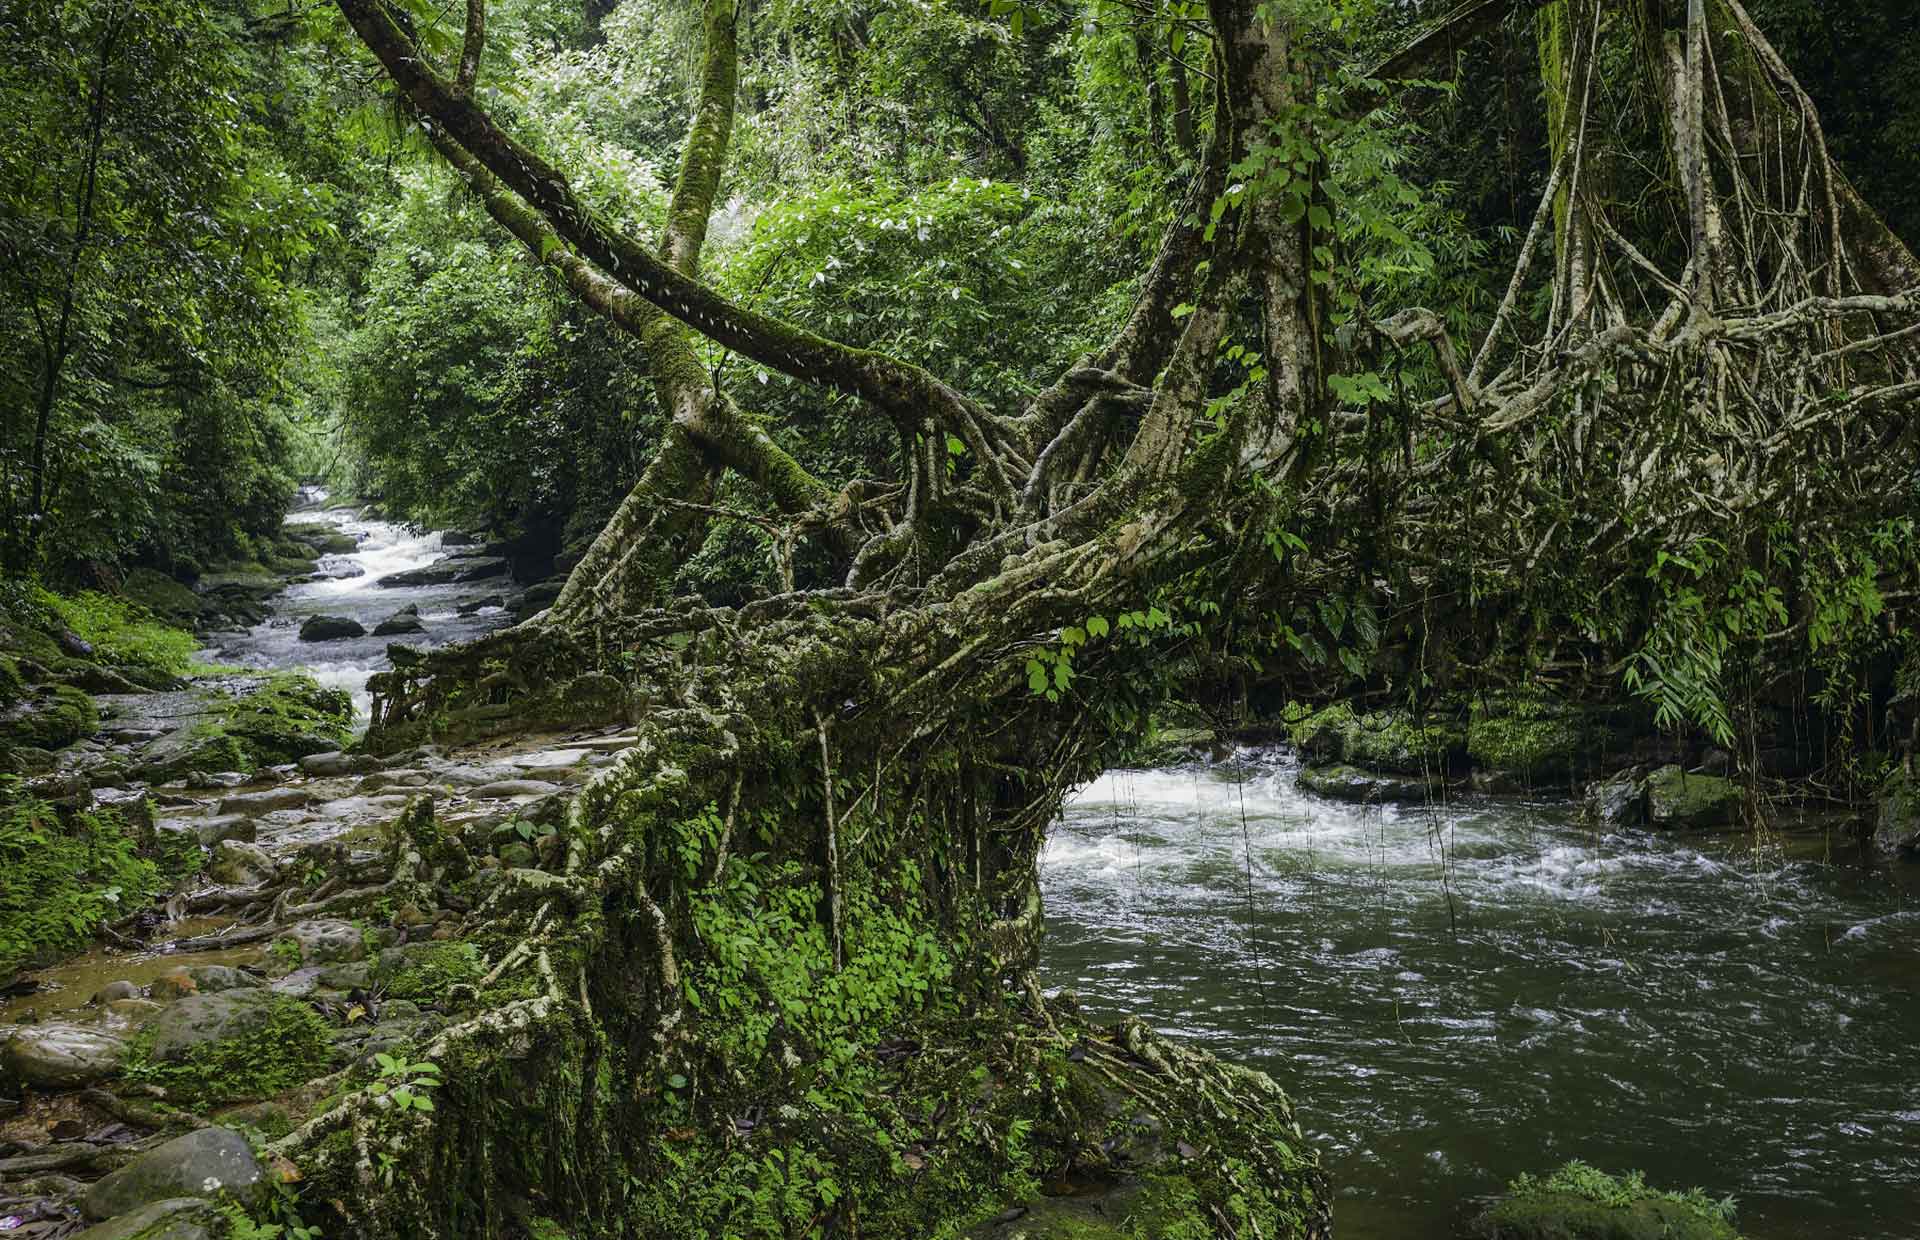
[
  {"x": 1391, "y": 740},
  {"x": 289, "y": 717},
  {"x": 61, "y": 877},
  {"x": 1529, "y": 736},
  {"x": 122, "y": 631},
  {"x": 1580, "y": 1202},
  {"x": 53, "y": 717},
  {"x": 267, "y": 1044},
  {"x": 425, "y": 972}
]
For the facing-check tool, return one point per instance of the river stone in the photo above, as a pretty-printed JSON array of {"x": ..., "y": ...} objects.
[
  {"x": 209, "y": 1163},
  {"x": 60, "y": 1056},
  {"x": 117, "y": 990},
  {"x": 479, "y": 568},
  {"x": 1897, "y": 825},
  {"x": 1349, "y": 783},
  {"x": 220, "y": 827},
  {"x": 392, "y": 779},
  {"x": 331, "y": 628},
  {"x": 177, "y": 1218},
  {"x": 1676, "y": 799},
  {"x": 404, "y": 621},
  {"x": 480, "y": 604},
  {"x": 174, "y": 984},
  {"x": 1618, "y": 801},
  {"x": 126, "y": 1015},
  {"x": 197, "y": 1020},
  {"x": 333, "y": 762},
  {"x": 254, "y": 804},
  {"x": 236, "y": 864},
  {"x": 324, "y": 940},
  {"x": 504, "y": 789},
  {"x": 214, "y": 978}
]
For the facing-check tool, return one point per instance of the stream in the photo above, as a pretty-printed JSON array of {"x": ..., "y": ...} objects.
[
  {"x": 452, "y": 612},
  {"x": 1457, "y": 995}
]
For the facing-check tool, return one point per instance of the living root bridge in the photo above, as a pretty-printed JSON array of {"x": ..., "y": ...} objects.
[{"x": 776, "y": 977}]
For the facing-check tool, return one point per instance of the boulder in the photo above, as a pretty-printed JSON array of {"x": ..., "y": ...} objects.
[
  {"x": 60, "y": 1056},
  {"x": 1678, "y": 800},
  {"x": 177, "y": 1218},
  {"x": 255, "y": 804},
  {"x": 324, "y": 940},
  {"x": 1348, "y": 783},
  {"x": 236, "y": 864},
  {"x": 333, "y": 762},
  {"x": 162, "y": 595},
  {"x": 199, "y": 1020},
  {"x": 404, "y": 621},
  {"x": 440, "y": 574},
  {"x": 1618, "y": 802},
  {"x": 211, "y": 1163},
  {"x": 214, "y": 978},
  {"x": 220, "y": 827},
  {"x": 331, "y": 628},
  {"x": 480, "y": 568},
  {"x": 504, "y": 789},
  {"x": 1579, "y": 1202},
  {"x": 480, "y": 604},
  {"x": 1896, "y": 827},
  {"x": 183, "y": 751},
  {"x": 460, "y": 538}
]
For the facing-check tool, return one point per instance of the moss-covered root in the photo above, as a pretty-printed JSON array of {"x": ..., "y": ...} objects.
[{"x": 1579, "y": 1202}]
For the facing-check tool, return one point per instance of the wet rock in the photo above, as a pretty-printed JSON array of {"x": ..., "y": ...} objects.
[
  {"x": 460, "y": 538},
  {"x": 1348, "y": 783},
  {"x": 211, "y": 1163},
  {"x": 255, "y": 804},
  {"x": 400, "y": 623},
  {"x": 187, "y": 749},
  {"x": 198, "y": 1020},
  {"x": 330, "y": 628},
  {"x": 391, "y": 779},
  {"x": 505, "y": 789},
  {"x": 326, "y": 941},
  {"x": 517, "y": 856},
  {"x": 127, "y": 1015},
  {"x": 1678, "y": 800},
  {"x": 236, "y": 864},
  {"x": 1618, "y": 802},
  {"x": 176, "y": 1218},
  {"x": 324, "y": 539},
  {"x": 219, "y": 827},
  {"x": 162, "y": 595},
  {"x": 1897, "y": 824},
  {"x": 117, "y": 990},
  {"x": 480, "y": 568},
  {"x": 215, "y": 978},
  {"x": 492, "y": 600},
  {"x": 356, "y": 976},
  {"x": 60, "y": 1056},
  {"x": 333, "y": 762}
]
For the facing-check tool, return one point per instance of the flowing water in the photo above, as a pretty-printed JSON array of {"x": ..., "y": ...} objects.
[
  {"x": 384, "y": 549},
  {"x": 1455, "y": 995}
]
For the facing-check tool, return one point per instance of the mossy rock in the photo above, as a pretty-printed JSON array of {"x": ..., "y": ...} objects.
[
  {"x": 425, "y": 972},
  {"x": 163, "y": 596},
  {"x": 230, "y": 1046},
  {"x": 205, "y": 747},
  {"x": 1532, "y": 739},
  {"x": 1897, "y": 823},
  {"x": 1392, "y": 741},
  {"x": 1679, "y": 800},
  {"x": 13, "y": 686},
  {"x": 1351, "y": 784},
  {"x": 289, "y": 717},
  {"x": 1579, "y": 1202},
  {"x": 54, "y": 717}
]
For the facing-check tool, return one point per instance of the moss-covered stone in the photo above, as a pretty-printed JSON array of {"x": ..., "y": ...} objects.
[
  {"x": 288, "y": 717},
  {"x": 1897, "y": 817},
  {"x": 53, "y": 717},
  {"x": 1391, "y": 741},
  {"x": 163, "y": 596},
  {"x": 230, "y": 1046},
  {"x": 1578, "y": 1202},
  {"x": 1350, "y": 783},
  {"x": 1679, "y": 800},
  {"x": 1533, "y": 740}
]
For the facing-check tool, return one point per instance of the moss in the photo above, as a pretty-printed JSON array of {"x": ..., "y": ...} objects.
[
  {"x": 1530, "y": 736},
  {"x": 12, "y": 685},
  {"x": 425, "y": 973},
  {"x": 287, "y": 718},
  {"x": 57, "y": 716},
  {"x": 289, "y": 1046},
  {"x": 124, "y": 632},
  {"x": 60, "y": 878},
  {"x": 1676, "y": 798},
  {"x": 1579, "y": 1202},
  {"x": 1390, "y": 741},
  {"x": 163, "y": 596}
]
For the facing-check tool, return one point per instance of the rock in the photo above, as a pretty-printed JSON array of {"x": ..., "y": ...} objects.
[
  {"x": 1896, "y": 826},
  {"x": 504, "y": 789},
  {"x": 211, "y": 1163},
  {"x": 215, "y": 978},
  {"x": 333, "y": 762},
  {"x": 480, "y": 568},
  {"x": 402, "y": 778},
  {"x": 1677, "y": 800},
  {"x": 459, "y": 538},
  {"x": 254, "y": 804},
  {"x": 162, "y": 595},
  {"x": 347, "y": 976},
  {"x": 404, "y": 621},
  {"x": 236, "y": 864},
  {"x": 184, "y": 750},
  {"x": 331, "y": 628},
  {"x": 198, "y": 1020},
  {"x": 117, "y": 990},
  {"x": 1348, "y": 783},
  {"x": 127, "y": 1015},
  {"x": 325, "y": 539},
  {"x": 1618, "y": 802},
  {"x": 439, "y": 574},
  {"x": 480, "y": 604},
  {"x": 326, "y": 941},
  {"x": 212, "y": 831},
  {"x": 517, "y": 856},
  {"x": 60, "y": 1056},
  {"x": 1578, "y": 1202},
  {"x": 172, "y": 985},
  {"x": 176, "y": 1218}
]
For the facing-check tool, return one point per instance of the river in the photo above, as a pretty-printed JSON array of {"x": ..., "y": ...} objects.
[
  {"x": 1457, "y": 995},
  {"x": 450, "y": 613}
]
